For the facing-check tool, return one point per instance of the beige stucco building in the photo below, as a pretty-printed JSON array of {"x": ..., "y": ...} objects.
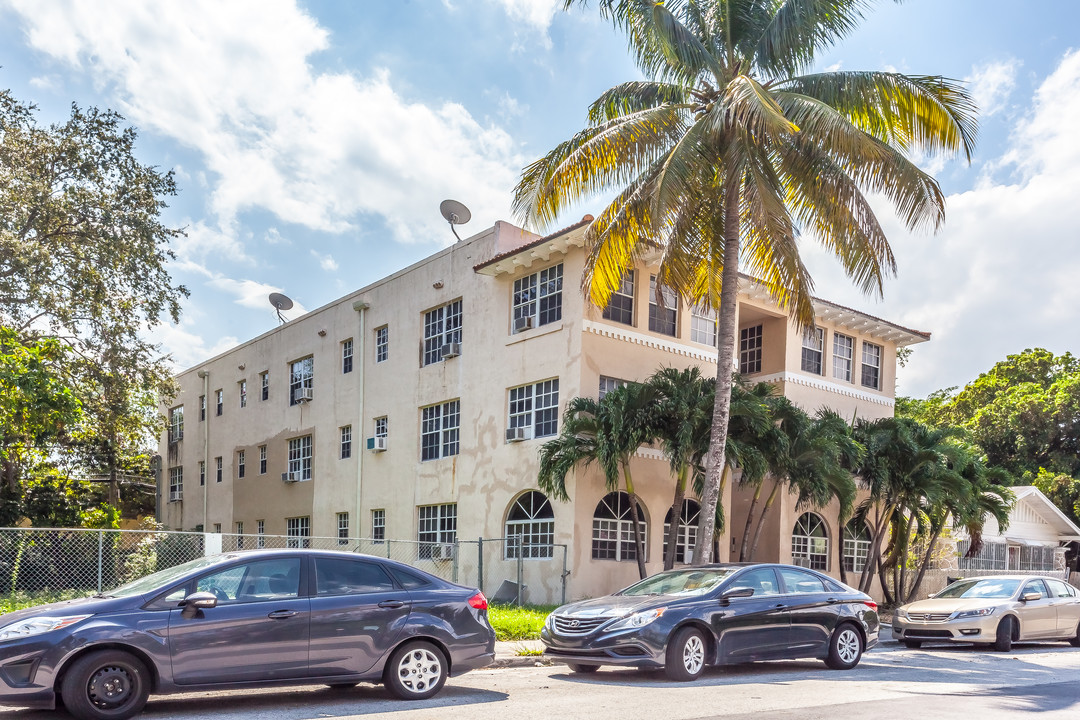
[{"x": 413, "y": 410}]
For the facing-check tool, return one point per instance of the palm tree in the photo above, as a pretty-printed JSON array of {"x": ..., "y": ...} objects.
[
  {"x": 607, "y": 432},
  {"x": 730, "y": 147}
]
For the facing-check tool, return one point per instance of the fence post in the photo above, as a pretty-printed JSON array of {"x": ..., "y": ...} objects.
[
  {"x": 564, "y": 574},
  {"x": 480, "y": 563},
  {"x": 100, "y": 542},
  {"x": 457, "y": 549},
  {"x": 520, "y": 553},
  {"x": 388, "y": 548}
]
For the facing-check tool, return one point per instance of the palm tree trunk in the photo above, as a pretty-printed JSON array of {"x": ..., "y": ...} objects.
[
  {"x": 745, "y": 544},
  {"x": 729, "y": 296},
  {"x": 761, "y": 518},
  {"x": 639, "y": 545},
  {"x": 873, "y": 560},
  {"x": 922, "y": 570},
  {"x": 840, "y": 554},
  {"x": 676, "y": 518}
]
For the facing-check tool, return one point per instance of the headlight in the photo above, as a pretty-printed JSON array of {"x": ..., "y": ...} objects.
[
  {"x": 549, "y": 623},
  {"x": 637, "y": 620},
  {"x": 38, "y": 625},
  {"x": 974, "y": 613},
  {"x": 901, "y": 613}
]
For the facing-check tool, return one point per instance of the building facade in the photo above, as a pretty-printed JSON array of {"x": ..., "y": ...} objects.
[{"x": 414, "y": 408}]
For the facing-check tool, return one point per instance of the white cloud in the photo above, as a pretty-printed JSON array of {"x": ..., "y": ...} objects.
[
  {"x": 326, "y": 262},
  {"x": 188, "y": 348},
  {"x": 253, "y": 294},
  {"x": 537, "y": 13},
  {"x": 991, "y": 85}
]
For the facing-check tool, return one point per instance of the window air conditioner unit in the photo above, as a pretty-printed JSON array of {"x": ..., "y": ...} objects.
[
  {"x": 176, "y": 496},
  {"x": 442, "y": 551},
  {"x": 304, "y": 394},
  {"x": 291, "y": 477},
  {"x": 514, "y": 435},
  {"x": 523, "y": 323},
  {"x": 450, "y": 350},
  {"x": 376, "y": 444}
]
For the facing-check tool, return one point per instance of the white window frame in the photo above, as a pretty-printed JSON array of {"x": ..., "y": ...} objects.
[
  {"x": 347, "y": 356},
  {"x": 618, "y": 530},
  {"x": 538, "y": 297},
  {"x": 382, "y": 427},
  {"x": 751, "y": 344},
  {"x": 378, "y": 526},
  {"x": 813, "y": 343},
  {"x": 607, "y": 384},
  {"x": 300, "y": 456},
  {"x": 346, "y": 443},
  {"x": 535, "y": 407},
  {"x": 703, "y": 326},
  {"x": 686, "y": 540},
  {"x": 176, "y": 424},
  {"x": 343, "y": 528},
  {"x": 871, "y": 361},
  {"x": 532, "y": 535},
  {"x": 241, "y": 467},
  {"x": 809, "y": 550},
  {"x": 260, "y": 531},
  {"x": 220, "y": 397},
  {"x": 659, "y": 318},
  {"x": 262, "y": 459},
  {"x": 437, "y": 524},
  {"x": 843, "y": 356},
  {"x": 301, "y": 375},
  {"x": 856, "y": 547},
  {"x": 264, "y": 389},
  {"x": 220, "y": 468},
  {"x": 243, "y": 393},
  {"x": 176, "y": 483},
  {"x": 382, "y": 343},
  {"x": 442, "y": 325},
  {"x": 620, "y": 307},
  {"x": 298, "y": 531},
  {"x": 442, "y": 422},
  {"x": 202, "y": 473}
]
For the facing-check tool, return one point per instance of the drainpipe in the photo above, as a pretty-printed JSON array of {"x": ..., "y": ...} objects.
[
  {"x": 358, "y": 435},
  {"x": 205, "y": 375}
]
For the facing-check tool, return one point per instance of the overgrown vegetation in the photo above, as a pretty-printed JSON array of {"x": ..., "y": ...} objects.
[
  {"x": 511, "y": 622},
  {"x": 12, "y": 602}
]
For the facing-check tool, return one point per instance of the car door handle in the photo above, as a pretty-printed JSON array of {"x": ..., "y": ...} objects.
[
  {"x": 392, "y": 604},
  {"x": 282, "y": 614},
  {"x": 779, "y": 606},
  {"x": 833, "y": 601}
]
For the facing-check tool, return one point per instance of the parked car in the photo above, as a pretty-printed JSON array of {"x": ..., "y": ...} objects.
[
  {"x": 994, "y": 612},
  {"x": 683, "y": 620},
  {"x": 256, "y": 618}
]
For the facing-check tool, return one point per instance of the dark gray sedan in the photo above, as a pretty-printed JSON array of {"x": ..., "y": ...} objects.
[
  {"x": 250, "y": 619},
  {"x": 684, "y": 620}
]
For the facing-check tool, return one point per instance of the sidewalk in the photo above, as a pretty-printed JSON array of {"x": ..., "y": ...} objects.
[{"x": 506, "y": 654}]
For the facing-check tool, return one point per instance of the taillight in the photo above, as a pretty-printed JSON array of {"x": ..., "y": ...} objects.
[
  {"x": 478, "y": 601},
  {"x": 870, "y": 604}
]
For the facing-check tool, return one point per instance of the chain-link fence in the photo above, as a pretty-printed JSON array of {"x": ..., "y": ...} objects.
[{"x": 58, "y": 562}]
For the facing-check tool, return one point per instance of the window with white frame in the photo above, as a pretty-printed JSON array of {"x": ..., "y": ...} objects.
[
  {"x": 301, "y": 379},
  {"x": 703, "y": 326},
  {"x": 176, "y": 424},
  {"x": 260, "y": 530},
  {"x": 439, "y": 430},
  {"x": 202, "y": 407},
  {"x": 871, "y": 365},
  {"x": 382, "y": 343},
  {"x": 856, "y": 546},
  {"x": 813, "y": 342},
  {"x": 298, "y": 530},
  {"x": 663, "y": 312},
  {"x": 382, "y": 427},
  {"x": 442, "y": 326},
  {"x": 262, "y": 459},
  {"x": 620, "y": 307},
  {"x": 607, "y": 384},
  {"x": 243, "y": 393},
  {"x": 239, "y": 535},
  {"x": 810, "y": 543},
  {"x": 535, "y": 408},
  {"x": 240, "y": 464},
  {"x": 343, "y": 528},
  {"x": 537, "y": 298},
  {"x": 346, "y": 442},
  {"x": 843, "y": 355},
  {"x": 176, "y": 483},
  {"x": 378, "y": 525},
  {"x": 264, "y": 379},
  {"x": 613, "y": 529},
  {"x": 530, "y": 527},
  {"x": 300, "y": 457},
  {"x": 202, "y": 472},
  {"x": 346, "y": 356},
  {"x": 686, "y": 538},
  {"x": 220, "y": 465},
  {"x": 750, "y": 344},
  {"x": 437, "y": 526},
  {"x": 220, "y": 401}
]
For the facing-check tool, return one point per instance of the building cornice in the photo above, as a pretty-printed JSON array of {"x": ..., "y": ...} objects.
[
  {"x": 821, "y": 384},
  {"x": 632, "y": 336}
]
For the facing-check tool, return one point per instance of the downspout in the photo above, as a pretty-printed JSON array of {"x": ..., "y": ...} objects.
[
  {"x": 205, "y": 375},
  {"x": 358, "y": 435}
]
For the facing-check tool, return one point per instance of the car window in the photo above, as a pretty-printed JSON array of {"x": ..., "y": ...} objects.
[
  {"x": 1034, "y": 586},
  {"x": 762, "y": 580},
  {"x": 262, "y": 580},
  {"x": 692, "y": 582},
  {"x": 409, "y": 580},
  {"x": 800, "y": 581},
  {"x": 1058, "y": 588},
  {"x": 980, "y": 589},
  {"x": 335, "y": 576}
]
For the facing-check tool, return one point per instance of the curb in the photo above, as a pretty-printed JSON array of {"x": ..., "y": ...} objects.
[{"x": 520, "y": 661}]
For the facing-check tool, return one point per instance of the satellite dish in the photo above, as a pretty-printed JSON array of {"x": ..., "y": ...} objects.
[
  {"x": 454, "y": 213},
  {"x": 280, "y": 302}
]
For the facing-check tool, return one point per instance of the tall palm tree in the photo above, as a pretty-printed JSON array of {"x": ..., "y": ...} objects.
[
  {"x": 607, "y": 432},
  {"x": 730, "y": 147}
]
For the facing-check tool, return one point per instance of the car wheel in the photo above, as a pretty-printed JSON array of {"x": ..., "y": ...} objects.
[
  {"x": 913, "y": 644},
  {"x": 105, "y": 685},
  {"x": 845, "y": 648},
  {"x": 1075, "y": 639},
  {"x": 1004, "y": 638},
  {"x": 584, "y": 669},
  {"x": 416, "y": 671},
  {"x": 685, "y": 656}
]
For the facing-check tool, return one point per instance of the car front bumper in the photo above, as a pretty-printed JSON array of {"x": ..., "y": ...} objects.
[
  {"x": 632, "y": 648},
  {"x": 964, "y": 630},
  {"x": 27, "y": 673}
]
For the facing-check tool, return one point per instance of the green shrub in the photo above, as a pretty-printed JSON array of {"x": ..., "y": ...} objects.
[
  {"x": 511, "y": 622},
  {"x": 21, "y": 600}
]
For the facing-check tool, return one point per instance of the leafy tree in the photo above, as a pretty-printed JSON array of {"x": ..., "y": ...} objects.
[
  {"x": 1062, "y": 490},
  {"x": 729, "y": 147}
]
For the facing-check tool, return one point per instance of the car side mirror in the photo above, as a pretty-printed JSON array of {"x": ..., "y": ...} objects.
[
  {"x": 197, "y": 601},
  {"x": 739, "y": 592},
  {"x": 1029, "y": 596},
  {"x": 931, "y": 596}
]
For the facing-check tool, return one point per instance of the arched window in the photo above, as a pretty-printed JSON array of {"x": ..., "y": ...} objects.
[
  {"x": 613, "y": 530},
  {"x": 687, "y": 538},
  {"x": 530, "y": 527},
  {"x": 810, "y": 543},
  {"x": 856, "y": 546}
]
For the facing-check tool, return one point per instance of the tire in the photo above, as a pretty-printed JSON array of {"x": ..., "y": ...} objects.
[
  {"x": 913, "y": 644},
  {"x": 685, "y": 656},
  {"x": 845, "y": 648},
  {"x": 1075, "y": 639},
  {"x": 416, "y": 671},
  {"x": 1004, "y": 638},
  {"x": 582, "y": 669},
  {"x": 105, "y": 685}
]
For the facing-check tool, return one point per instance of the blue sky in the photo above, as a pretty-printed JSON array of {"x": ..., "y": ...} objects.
[{"x": 313, "y": 142}]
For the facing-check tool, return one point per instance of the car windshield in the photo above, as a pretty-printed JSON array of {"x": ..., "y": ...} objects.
[
  {"x": 687, "y": 583},
  {"x": 980, "y": 589},
  {"x": 161, "y": 578}
]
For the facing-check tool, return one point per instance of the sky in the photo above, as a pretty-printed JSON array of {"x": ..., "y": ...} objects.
[{"x": 312, "y": 143}]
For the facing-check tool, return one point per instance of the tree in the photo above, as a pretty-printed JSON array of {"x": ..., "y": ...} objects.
[{"x": 730, "y": 147}]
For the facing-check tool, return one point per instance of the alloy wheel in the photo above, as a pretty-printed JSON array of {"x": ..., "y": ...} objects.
[
  {"x": 848, "y": 645},
  {"x": 693, "y": 654}
]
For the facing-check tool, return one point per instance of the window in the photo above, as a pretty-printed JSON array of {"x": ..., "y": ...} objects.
[
  {"x": 260, "y": 530},
  {"x": 439, "y": 430},
  {"x": 176, "y": 424},
  {"x": 843, "y": 352},
  {"x": 336, "y": 576},
  {"x": 535, "y": 408},
  {"x": 381, "y": 427},
  {"x": 813, "y": 341},
  {"x": 537, "y": 298},
  {"x": 703, "y": 326},
  {"x": 613, "y": 528},
  {"x": 620, "y": 307},
  {"x": 438, "y": 526},
  {"x": 441, "y": 327},
  {"x": 382, "y": 344},
  {"x": 262, "y": 459},
  {"x": 346, "y": 442},
  {"x": 871, "y": 365},
  {"x": 202, "y": 408},
  {"x": 202, "y": 472},
  {"x": 265, "y": 382},
  {"x": 274, "y": 579},
  {"x": 346, "y": 356},
  {"x": 810, "y": 543},
  {"x": 220, "y": 401},
  {"x": 301, "y": 379},
  {"x": 687, "y": 536},
  {"x": 219, "y": 466},
  {"x": 530, "y": 527},
  {"x": 176, "y": 484},
  {"x": 239, "y": 535},
  {"x": 300, "y": 456},
  {"x": 240, "y": 456},
  {"x": 217, "y": 527},
  {"x": 607, "y": 384},
  {"x": 378, "y": 525},
  {"x": 298, "y": 530},
  {"x": 856, "y": 546},
  {"x": 762, "y": 580},
  {"x": 800, "y": 581},
  {"x": 750, "y": 350},
  {"x": 243, "y": 393},
  {"x": 1058, "y": 588},
  {"x": 343, "y": 528},
  {"x": 663, "y": 316}
]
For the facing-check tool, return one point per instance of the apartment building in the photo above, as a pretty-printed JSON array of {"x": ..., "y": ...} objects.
[{"x": 414, "y": 408}]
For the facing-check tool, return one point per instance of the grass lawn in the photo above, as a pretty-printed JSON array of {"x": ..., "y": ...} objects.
[{"x": 518, "y": 623}]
